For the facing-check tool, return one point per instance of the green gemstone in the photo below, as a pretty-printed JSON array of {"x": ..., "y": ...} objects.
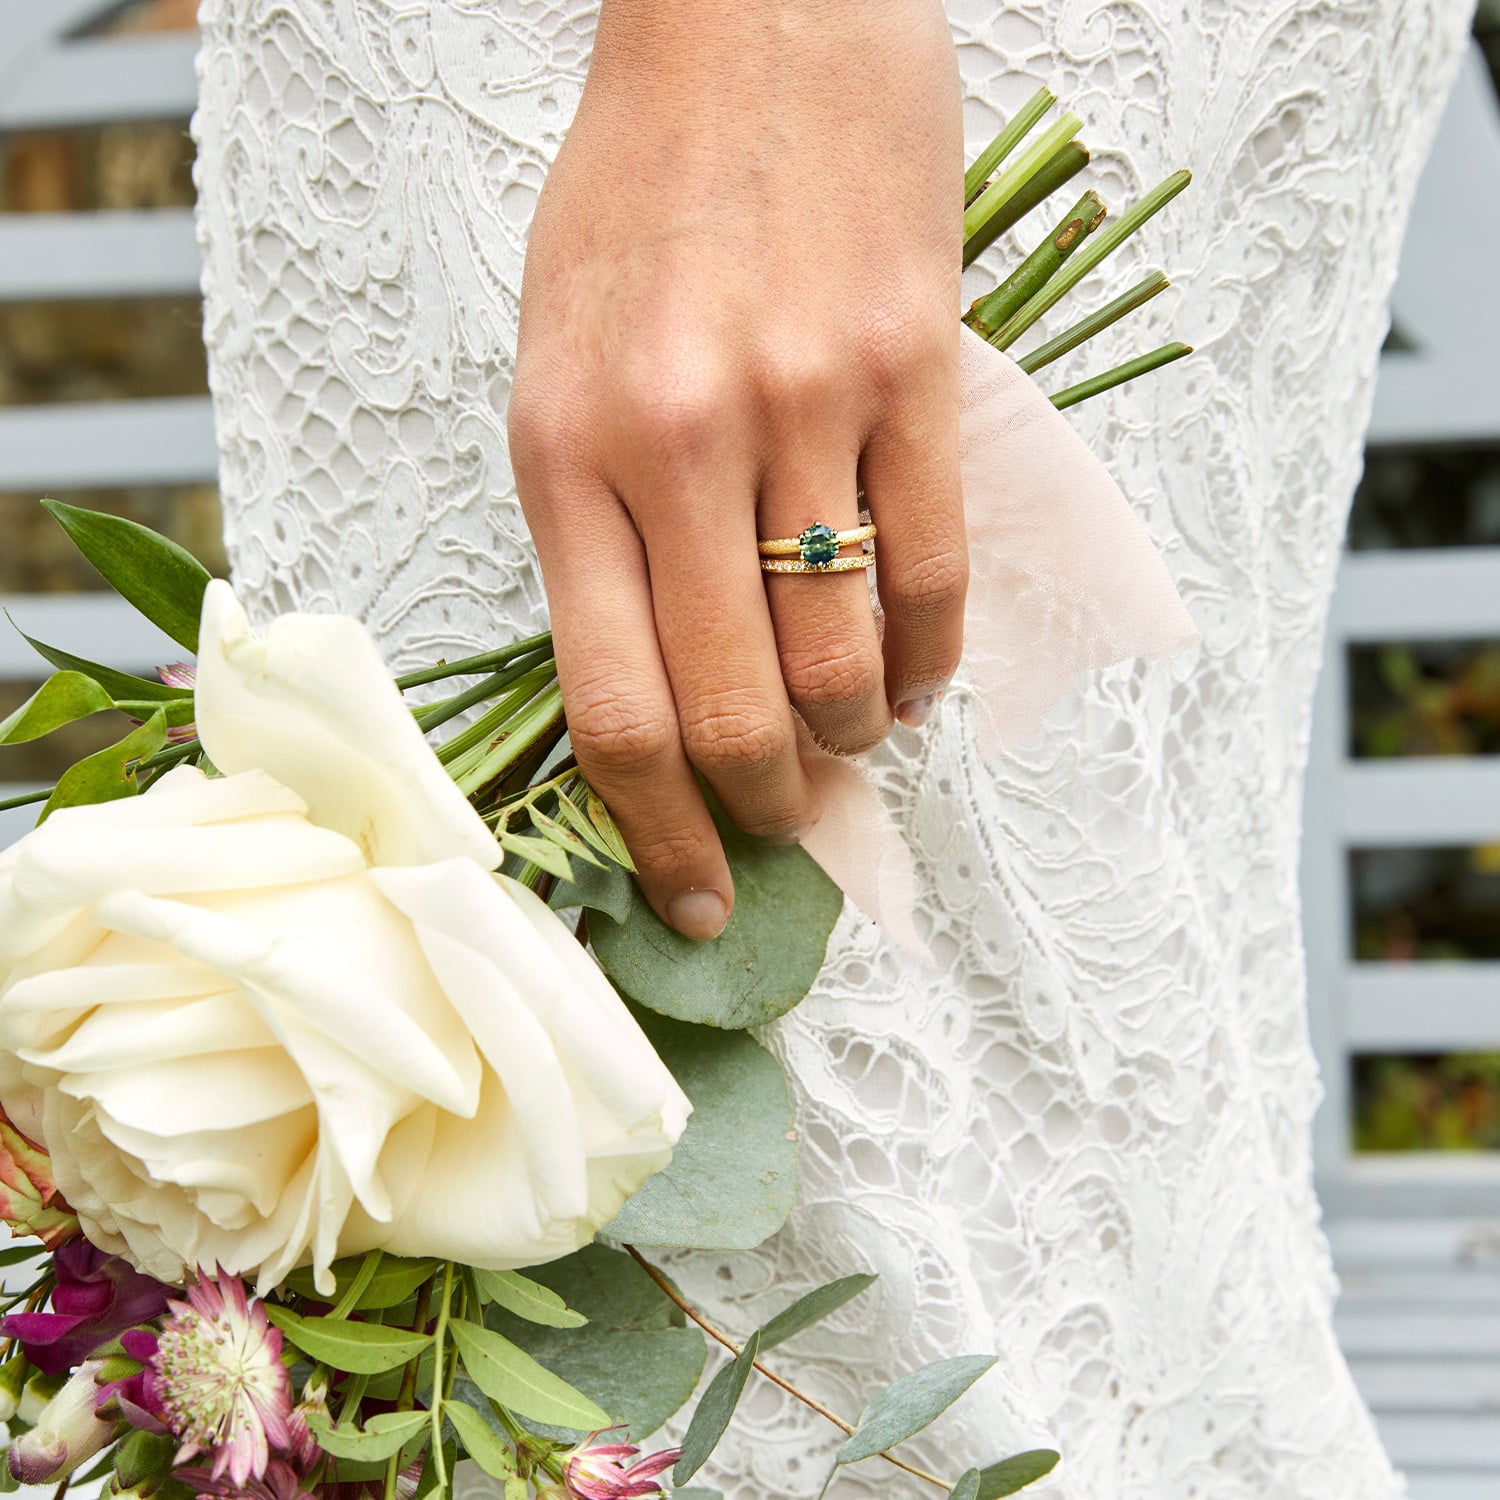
[{"x": 819, "y": 544}]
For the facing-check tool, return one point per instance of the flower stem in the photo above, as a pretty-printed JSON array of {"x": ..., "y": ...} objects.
[
  {"x": 1016, "y": 130},
  {"x": 1103, "y": 244},
  {"x": 407, "y": 1396},
  {"x": 27, "y": 798},
  {"x": 362, "y": 1279},
  {"x": 492, "y": 686},
  {"x": 991, "y": 312},
  {"x": 1096, "y": 322},
  {"x": 467, "y": 745},
  {"x": 979, "y": 213},
  {"x": 542, "y": 714},
  {"x": 1062, "y": 168},
  {"x": 486, "y": 661},
  {"x": 723, "y": 1338},
  {"x": 440, "y": 1333},
  {"x": 1140, "y": 365}
]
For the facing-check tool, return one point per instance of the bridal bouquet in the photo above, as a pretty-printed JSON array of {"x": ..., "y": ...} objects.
[{"x": 327, "y": 1142}]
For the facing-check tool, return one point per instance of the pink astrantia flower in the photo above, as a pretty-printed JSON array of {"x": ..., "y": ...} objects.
[
  {"x": 602, "y": 1471},
  {"x": 218, "y": 1382}
]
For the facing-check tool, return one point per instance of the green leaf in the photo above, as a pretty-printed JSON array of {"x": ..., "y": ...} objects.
[
  {"x": 1015, "y": 1473},
  {"x": 395, "y": 1281},
  {"x": 762, "y": 964},
  {"x": 13, "y": 1255},
  {"x": 62, "y": 699},
  {"x": 967, "y": 1487},
  {"x": 383, "y": 1435},
  {"x": 123, "y": 687},
  {"x": 610, "y": 891},
  {"x": 564, "y": 837},
  {"x": 543, "y": 853},
  {"x": 481, "y": 1442},
  {"x": 528, "y": 1299},
  {"x": 733, "y": 1176},
  {"x": 103, "y": 777},
  {"x": 911, "y": 1403},
  {"x": 355, "y": 1348},
  {"x": 635, "y": 1357},
  {"x": 714, "y": 1411},
  {"x": 162, "y": 580},
  {"x": 427, "y": 1485},
  {"x": 813, "y": 1308},
  {"x": 510, "y": 1376}
]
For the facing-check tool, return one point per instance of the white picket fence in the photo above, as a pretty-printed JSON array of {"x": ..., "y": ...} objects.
[{"x": 1416, "y": 1239}]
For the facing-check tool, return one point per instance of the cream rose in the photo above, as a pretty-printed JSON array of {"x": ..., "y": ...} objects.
[{"x": 290, "y": 1012}]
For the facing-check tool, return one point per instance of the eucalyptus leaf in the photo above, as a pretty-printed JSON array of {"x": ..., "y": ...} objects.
[
  {"x": 715, "y": 1411},
  {"x": 481, "y": 1442},
  {"x": 967, "y": 1487},
  {"x": 103, "y": 777},
  {"x": 610, "y": 891},
  {"x": 355, "y": 1348},
  {"x": 123, "y": 687},
  {"x": 511, "y": 1377},
  {"x": 382, "y": 1436},
  {"x": 528, "y": 1299},
  {"x": 813, "y": 1308},
  {"x": 762, "y": 964},
  {"x": 635, "y": 1357},
  {"x": 393, "y": 1283},
  {"x": 62, "y": 699},
  {"x": 733, "y": 1176},
  {"x": 906, "y": 1407},
  {"x": 1015, "y": 1473},
  {"x": 162, "y": 580}
]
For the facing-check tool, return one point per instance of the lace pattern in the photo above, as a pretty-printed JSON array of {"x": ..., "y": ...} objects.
[{"x": 1083, "y": 1143}]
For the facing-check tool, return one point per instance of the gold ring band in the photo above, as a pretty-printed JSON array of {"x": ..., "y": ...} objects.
[
  {"x": 795, "y": 546},
  {"x": 838, "y": 565}
]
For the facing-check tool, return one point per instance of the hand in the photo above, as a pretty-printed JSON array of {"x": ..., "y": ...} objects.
[{"x": 741, "y": 302}]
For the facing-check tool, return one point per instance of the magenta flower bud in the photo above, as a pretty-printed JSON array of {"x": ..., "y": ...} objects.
[
  {"x": 602, "y": 1471},
  {"x": 67, "y": 1432}
]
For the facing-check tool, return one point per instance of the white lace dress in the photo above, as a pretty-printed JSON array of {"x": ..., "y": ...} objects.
[{"x": 1086, "y": 1148}]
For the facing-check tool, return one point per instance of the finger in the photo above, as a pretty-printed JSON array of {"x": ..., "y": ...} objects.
[
  {"x": 910, "y": 473},
  {"x": 720, "y": 651},
  {"x": 622, "y": 719},
  {"x": 826, "y": 638}
]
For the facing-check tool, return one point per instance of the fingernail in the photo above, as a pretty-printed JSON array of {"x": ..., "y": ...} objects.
[
  {"x": 915, "y": 712},
  {"x": 700, "y": 915},
  {"x": 787, "y": 836}
]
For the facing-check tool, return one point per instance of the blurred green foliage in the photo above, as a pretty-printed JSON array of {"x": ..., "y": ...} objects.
[{"x": 1432, "y": 1103}]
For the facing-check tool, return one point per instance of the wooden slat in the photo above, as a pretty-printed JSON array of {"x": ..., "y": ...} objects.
[
  {"x": 1451, "y": 1484},
  {"x": 98, "y": 255},
  {"x": 101, "y": 79},
  {"x": 1428, "y": 1334},
  {"x": 1419, "y": 1243},
  {"x": 1456, "y": 1440},
  {"x": 1426, "y": 1007},
  {"x": 1423, "y": 595},
  {"x": 85, "y": 445},
  {"x": 1421, "y": 802},
  {"x": 1439, "y": 1385}
]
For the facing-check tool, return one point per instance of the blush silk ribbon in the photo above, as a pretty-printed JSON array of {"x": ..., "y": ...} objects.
[{"x": 1063, "y": 578}]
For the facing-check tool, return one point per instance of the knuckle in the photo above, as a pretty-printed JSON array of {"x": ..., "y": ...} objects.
[
  {"x": 798, "y": 382},
  {"x": 616, "y": 732},
  {"x": 832, "y": 677},
  {"x": 668, "y": 851},
  {"x": 675, "y": 417},
  {"x": 734, "y": 739},
  {"x": 932, "y": 588},
  {"x": 900, "y": 345}
]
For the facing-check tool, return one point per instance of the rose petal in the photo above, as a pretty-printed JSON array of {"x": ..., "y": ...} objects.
[{"x": 313, "y": 705}]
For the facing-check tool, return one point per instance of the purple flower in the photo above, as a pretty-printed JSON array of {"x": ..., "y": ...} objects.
[
  {"x": 96, "y": 1297},
  {"x": 599, "y": 1471}
]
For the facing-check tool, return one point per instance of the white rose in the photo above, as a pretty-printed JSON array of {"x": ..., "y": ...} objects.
[{"x": 290, "y": 1013}]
